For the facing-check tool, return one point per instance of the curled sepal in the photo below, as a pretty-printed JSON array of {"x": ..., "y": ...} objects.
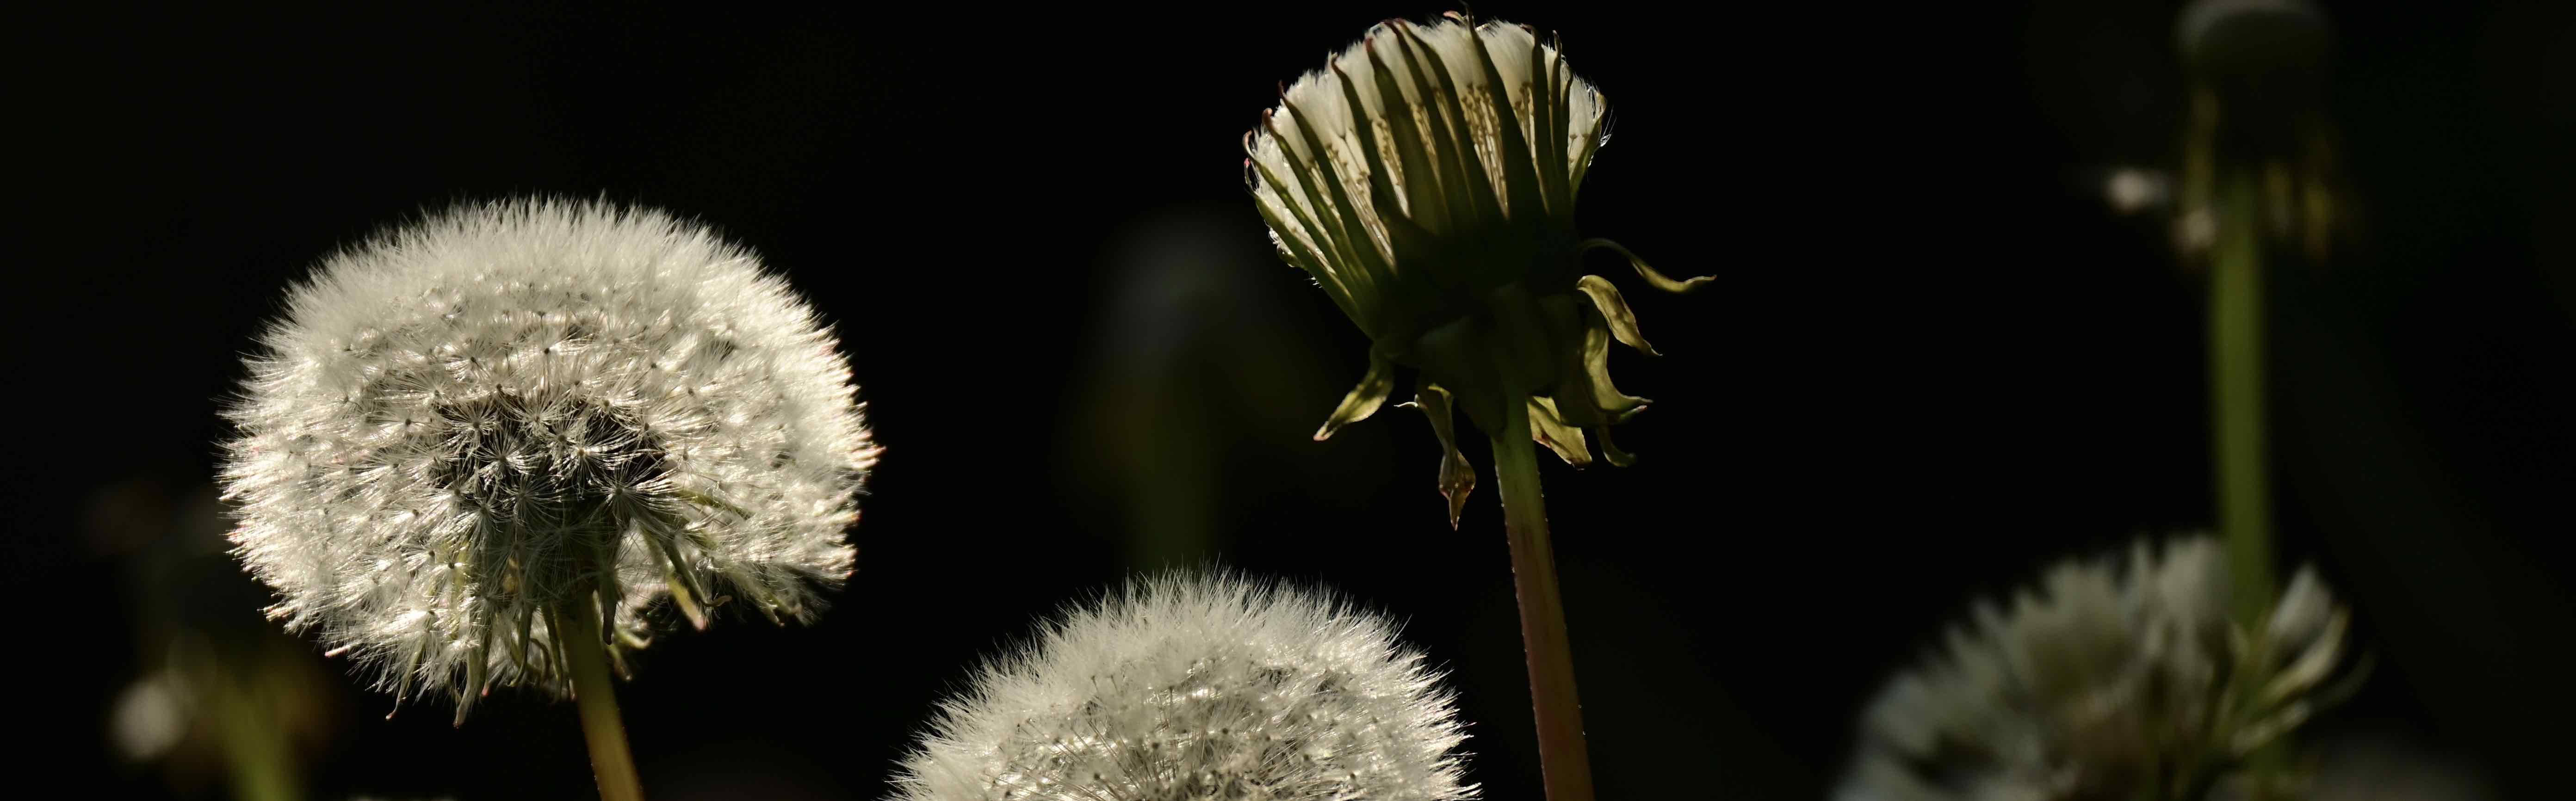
[
  {"x": 685, "y": 600},
  {"x": 1551, "y": 430},
  {"x": 1615, "y": 407},
  {"x": 477, "y": 671},
  {"x": 706, "y": 501},
  {"x": 2312, "y": 666},
  {"x": 665, "y": 535},
  {"x": 1610, "y": 450},
  {"x": 1457, "y": 478},
  {"x": 1363, "y": 399},
  {"x": 1614, "y": 310},
  {"x": 1656, "y": 279}
]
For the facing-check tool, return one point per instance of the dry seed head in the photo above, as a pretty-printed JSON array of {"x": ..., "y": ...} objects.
[
  {"x": 1198, "y": 687},
  {"x": 473, "y": 426},
  {"x": 2109, "y": 677}
]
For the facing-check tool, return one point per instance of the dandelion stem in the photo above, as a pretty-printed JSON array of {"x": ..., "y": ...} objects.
[
  {"x": 2236, "y": 391},
  {"x": 1563, "y": 763},
  {"x": 594, "y": 693},
  {"x": 2236, "y": 385},
  {"x": 257, "y": 754}
]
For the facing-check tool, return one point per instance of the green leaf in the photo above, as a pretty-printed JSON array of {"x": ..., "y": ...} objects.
[{"x": 1364, "y": 399}]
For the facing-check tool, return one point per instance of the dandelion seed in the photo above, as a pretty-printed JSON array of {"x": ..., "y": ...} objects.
[
  {"x": 509, "y": 421},
  {"x": 1199, "y": 687}
]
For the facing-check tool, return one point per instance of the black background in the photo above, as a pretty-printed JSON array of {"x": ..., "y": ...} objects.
[{"x": 1933, "y": 362}]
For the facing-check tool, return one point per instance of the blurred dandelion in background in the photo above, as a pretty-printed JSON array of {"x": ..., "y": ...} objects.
[
  {"x": 221, "y": 694},
  {"x": 2111, "y": 679},
  {"x": 2256, "y": 111},
  {"x": 1199, "y": 686},
  {"x": 478, "y": 448}
]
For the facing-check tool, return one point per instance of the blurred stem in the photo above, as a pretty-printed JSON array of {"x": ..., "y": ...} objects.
[
  {"x": 2236, "y": 381},
  {"x": 596, "y": 695},
  {"x": 2244, "y": 482},
  {"x": 256, "y": 752},
  {"x": 1170, "y": 495},
  {"x": 1563, "y": 763}
]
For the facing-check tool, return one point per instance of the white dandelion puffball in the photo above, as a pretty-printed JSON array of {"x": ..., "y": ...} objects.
[
  {"x": 1425, "y": 178},
  {"x": 1198, "y": 687},
  {"x": 520, "y": 416},
  {"x": 2111, "y": 680}
]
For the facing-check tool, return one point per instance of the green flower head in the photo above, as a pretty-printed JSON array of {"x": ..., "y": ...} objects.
[{"x": 1426, "y": 179}]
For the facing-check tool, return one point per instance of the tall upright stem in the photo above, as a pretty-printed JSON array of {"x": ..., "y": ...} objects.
[
  {"x": 257, "y": 753},
  {"x": 594, "y": 692},
  {"x": 2243, "y": 477},
  {"x": 1563, "y": 763},
  {"x": 2236, "y": 387}
]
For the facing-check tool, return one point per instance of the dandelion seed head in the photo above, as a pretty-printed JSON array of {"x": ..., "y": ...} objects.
[
  {"x": 1198, "y": 687},
  {"x": 2107, "y": 677},
  {"x": 507, "y": 412}
]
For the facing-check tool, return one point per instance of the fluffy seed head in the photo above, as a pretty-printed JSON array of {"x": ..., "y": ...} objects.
[
  {"x": 474, "y": 428},
  {"x": 2109, "y": 681},
  {"x": 1198, "y": 687},
  {"x": 1425, "y": 178}
]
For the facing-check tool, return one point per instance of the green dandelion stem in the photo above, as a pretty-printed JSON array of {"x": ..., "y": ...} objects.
[
  {"x": 258, "y": 758},
  {"x": 2243, "y": 477},
  {"x": 597, "y": 696},
  {"x": 1562, "y": 759},
  {"x": 2236, "y": 385}
]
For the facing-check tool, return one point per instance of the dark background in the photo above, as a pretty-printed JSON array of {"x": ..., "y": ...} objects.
[{"x": 1933, "y": 363}]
